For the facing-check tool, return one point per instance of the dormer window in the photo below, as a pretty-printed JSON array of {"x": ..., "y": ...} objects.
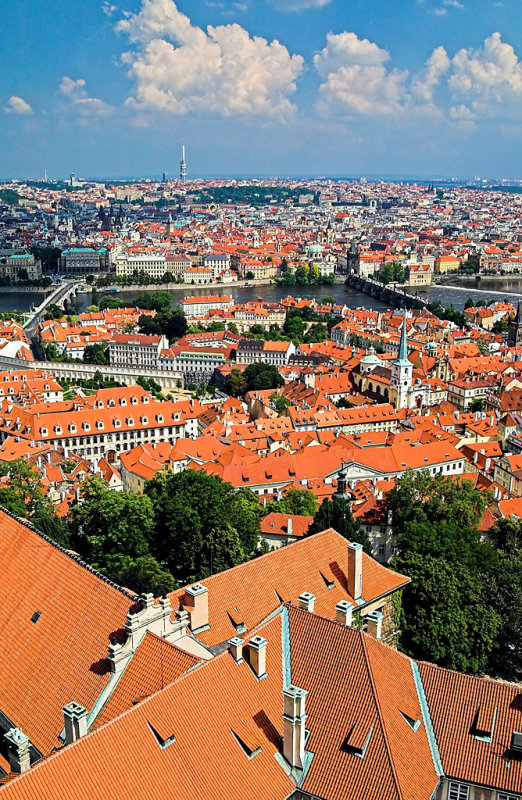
[
  {"x": 72, "y": 428},
  {"x": 123, "y": 401},
  {"x": 134, "y": 401},
  {"x": 100, "y": 425},
  {"x": 130, "y": 421},
  {"x": 144, "y": 420},
  {"x": 86, "y": 426},
  {"x": 159, "y": 418},
  {"x": 57, "y": 429},
  {"x": 145, "y": 400},
  {"x": 117, "y": 423},
  {"x": 44, "y": 431}
]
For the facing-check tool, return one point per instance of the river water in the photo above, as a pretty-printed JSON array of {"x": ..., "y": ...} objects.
[{"x": 498, "y": 289}]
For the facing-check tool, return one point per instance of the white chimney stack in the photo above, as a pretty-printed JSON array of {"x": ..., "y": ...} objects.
[
  {"x": 236, "y": 648},
  {"x": 374, "y": 624},
  {"x": 257, "y": 653},
  {"x": 197, "y": 601},
  {"x": 19, "y": 750},
  {"x": 75, "y": 719},
  {"x": 343, "y": 612},
  {"x": 306, "y": 600},
  {"x": 354, "y": 582},
  {"x": 289, "y": 526},
  {"x": 294, "y": 726}
]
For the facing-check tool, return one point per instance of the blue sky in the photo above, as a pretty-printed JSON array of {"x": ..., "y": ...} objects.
[{"x": 261, "y": 87}]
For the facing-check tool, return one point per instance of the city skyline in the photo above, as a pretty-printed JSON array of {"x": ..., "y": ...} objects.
[{"x": 279, "y": 87}]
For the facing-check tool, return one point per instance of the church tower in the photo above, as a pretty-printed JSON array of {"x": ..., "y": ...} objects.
[
  {"x": 183, "y": 165},
  {"x": 515, "y": 328},
  {"x": 402, "y": 372}
]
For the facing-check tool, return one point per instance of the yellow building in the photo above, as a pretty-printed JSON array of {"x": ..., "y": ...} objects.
[{"x": 445, "y": 264}]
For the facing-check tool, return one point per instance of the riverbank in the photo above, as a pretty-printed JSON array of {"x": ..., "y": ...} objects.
[
  {"x": 475, "y": 280},
  {"x": 200, "y": 288},
  {"x": 22, "y": 289}
]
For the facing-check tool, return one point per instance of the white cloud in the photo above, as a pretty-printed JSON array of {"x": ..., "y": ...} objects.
[
  {"x": 108, "y": 9},
  {"x": 181, "y": 68},
  {"x": 424, "y": 84},
  {"x": 17, "y": 105},
  {"x": 298, "y": 5},
  {"x": 77, "y": 94},
  {"x": 356, "y": 79},
  {"x": 488, "y": 80}
]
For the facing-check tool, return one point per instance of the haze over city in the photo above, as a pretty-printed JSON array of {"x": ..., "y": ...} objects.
[{"x": 272, "y": 87}]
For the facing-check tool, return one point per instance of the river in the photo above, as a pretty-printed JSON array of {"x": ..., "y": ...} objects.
[{"x": 497, "y": 289}]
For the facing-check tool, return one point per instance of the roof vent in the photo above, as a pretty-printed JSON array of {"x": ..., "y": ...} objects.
[{"x": 36, "y": 616}]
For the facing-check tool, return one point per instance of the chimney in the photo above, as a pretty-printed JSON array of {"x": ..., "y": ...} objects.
[
  {"x": 257, "y": 653},
  {"x": 236, "y": 648},
  {"x": 374, "y": 624},
  {"x": 75, "y": 719},
  {"x": 294, "y": 726},
  {"x": 354, "y": 582},
  {"x": 197, "y": 601},
  {"x": 289, "y": 526},
  {"x": 343, "y": 612},
  {"x": 19, "y": 747},
  {"x": 306, "y": 600}
]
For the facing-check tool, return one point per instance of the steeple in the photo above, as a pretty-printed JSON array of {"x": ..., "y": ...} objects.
[
  {"x": 402, "y": 358},
  {"x": 401, "y": 372}
]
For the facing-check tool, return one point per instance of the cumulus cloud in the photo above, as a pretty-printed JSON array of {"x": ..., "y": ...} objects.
[
  {"x": 437, "y": 65},
  {"x": 17, "y": 105},
  {"x": 181, "y": 68},
  {"x": 76, "y": 93},
  {"x": 356, "y": 79},
  {"x": 487, "y": 78}
]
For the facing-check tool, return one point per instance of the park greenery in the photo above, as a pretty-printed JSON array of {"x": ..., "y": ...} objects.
[{"x": 252, "y": 195}]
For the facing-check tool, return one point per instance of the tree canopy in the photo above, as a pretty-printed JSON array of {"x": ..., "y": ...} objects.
[{"x": 201, "y": 525}]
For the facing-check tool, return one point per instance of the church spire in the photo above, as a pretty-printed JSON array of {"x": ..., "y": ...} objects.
[{"x": 403, "y": 347}]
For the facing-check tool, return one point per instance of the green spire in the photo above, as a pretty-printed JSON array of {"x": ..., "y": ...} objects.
[{"x": 402, "y": 359}]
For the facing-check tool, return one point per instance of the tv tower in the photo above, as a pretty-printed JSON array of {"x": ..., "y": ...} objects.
[{"x": 183, "y": 165}]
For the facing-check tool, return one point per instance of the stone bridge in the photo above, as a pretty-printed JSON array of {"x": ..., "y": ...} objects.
[
  {"x": 393, "y": 294},
  {"x": 63, "y": 293}
]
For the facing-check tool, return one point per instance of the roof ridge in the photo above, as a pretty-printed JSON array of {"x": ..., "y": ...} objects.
[
  {"x": 70, "y": 554},
  {"x": 260, "y": 558},
  {"x": 381, "y": 721}
]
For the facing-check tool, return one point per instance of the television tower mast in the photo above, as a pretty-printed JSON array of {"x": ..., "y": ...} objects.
[{"x": 183, "y": 165}]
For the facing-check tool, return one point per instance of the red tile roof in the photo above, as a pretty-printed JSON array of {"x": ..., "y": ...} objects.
[{"x": 58, "y": 656}]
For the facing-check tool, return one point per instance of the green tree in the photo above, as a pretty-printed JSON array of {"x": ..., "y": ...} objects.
[
  {"x": 439, "y": 516},
  {"x": 262, "y": 376},
  {"x": 336, "y": 513},
  {"x": 477, "y": 404},
  {"x": 279, "y": 402},
  {"x": 250, "y": 276},
  {"x": 317, "y": 333},
  {"x": 235, "y": 383},
  {"x": 143, "y": 574},
  {"x": 295, "y": 501},
  {"x": 447, "y": 620},
  {"x": 108, "y": 524},
  {"x": 302, "y": 274},
  {"x": 95, "y": 354},
  {"x": 201, "y": 524},
  {"x": 156, "y": 301}
]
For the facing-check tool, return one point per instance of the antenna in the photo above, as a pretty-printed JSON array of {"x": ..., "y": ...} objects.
[{"x": 183, "y": 165}]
